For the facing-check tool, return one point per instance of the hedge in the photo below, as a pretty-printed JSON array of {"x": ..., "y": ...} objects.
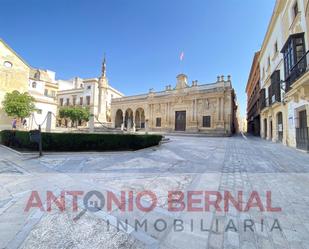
[{"x": 20, "y": 140}]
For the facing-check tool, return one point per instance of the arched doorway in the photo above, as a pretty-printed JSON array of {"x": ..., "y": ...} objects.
[
  {"x": 118, "y": 119},
  {"x": 280, "y": 126},
  {"x": 140, "y": 118},
  {"x": 128, "y": 123},
  {"x": 265, "y": 128}
]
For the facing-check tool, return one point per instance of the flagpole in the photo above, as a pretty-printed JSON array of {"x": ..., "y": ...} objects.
[{"x": 181, "y": 57}]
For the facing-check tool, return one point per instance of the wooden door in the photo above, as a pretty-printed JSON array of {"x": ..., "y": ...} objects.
[{"x": 180, "y": 121}]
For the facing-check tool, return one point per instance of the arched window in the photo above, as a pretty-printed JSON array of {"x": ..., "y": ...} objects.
[
  {"x": 33, "y": 84},
  {"x": 37, "y": 75}
]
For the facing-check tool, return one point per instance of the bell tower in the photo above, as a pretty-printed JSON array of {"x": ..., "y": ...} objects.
[{"x": 103, "y": 86}]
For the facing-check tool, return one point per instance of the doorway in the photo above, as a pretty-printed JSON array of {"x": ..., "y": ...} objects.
[
  {"x": 280, "y": 127},
  {"x": 180, "y": 120},
  {"x": 302, "y": 137}
]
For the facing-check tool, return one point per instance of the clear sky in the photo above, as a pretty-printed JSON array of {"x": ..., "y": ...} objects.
[{"x": 142, "y": 39}]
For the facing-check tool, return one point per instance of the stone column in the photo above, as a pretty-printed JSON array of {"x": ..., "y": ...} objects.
[
  {"x": 223, "y": 100},
  {"x": 133, "y": 122},
  {"x": 146, "y": 125},
  {"x": 48, "y": 122},
  {"x": 91, "y": 123},
  {"x": 123, "y": 120},
  {"x": 195, "y": 118},
  {"x": 218, "y": 109}
]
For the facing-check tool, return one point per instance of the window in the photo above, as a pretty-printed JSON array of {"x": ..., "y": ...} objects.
[
  {"x": 33, "y": 84},
  {"x": 61, "y": 101},
  {"x": 46, "y": 92},
  {"x": 39, "y": 111},
  {"x": 74, "y": 100},
  {"x": 88, "y": 100},
  {"x": 295, "y": 9},
  {"x": 53, "y": 93},
  {"x": 206, "y": 121},
  {"x": 37, "y": 75},
  {"x": 68, "y": 101},
  {"x": 81, "y": 85},
  {"x": 81, "y": 100},
  {"x": 275, "y": 87},
  {"x": 276, "y": 47},
  {"x": 294, "y": 60},
  {"x": 268, "y": 62},
  {"x": 88, "y": 87},
  {"x": 158, "y": 122},
  {"x": 112, "y": 96},
  {"x": 7, "y": 64}
]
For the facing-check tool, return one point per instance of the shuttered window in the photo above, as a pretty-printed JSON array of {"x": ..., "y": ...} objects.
[{"x": 206, "y": 121}]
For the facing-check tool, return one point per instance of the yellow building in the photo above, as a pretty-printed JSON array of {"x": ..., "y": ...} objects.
[
  {"x": 284, "y": 75},
  {"x": 14, "y": 75}
]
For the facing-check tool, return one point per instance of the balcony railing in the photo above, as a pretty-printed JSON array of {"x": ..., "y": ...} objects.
[
  {"x": 264, "y": 103},
  {"x": 297, "y": 71}
]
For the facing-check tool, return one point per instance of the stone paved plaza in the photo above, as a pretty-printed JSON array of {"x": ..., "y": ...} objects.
[{"x": 184, "y": 164}]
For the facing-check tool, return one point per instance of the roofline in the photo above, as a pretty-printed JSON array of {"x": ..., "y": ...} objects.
[
  {"x": 115, "y": 90},
  {"x": 270, "y": 26},
  {"x": 255, "y": 58},
  {"x": 175, "y": 90},
  {"x": 14, "y": 52}
]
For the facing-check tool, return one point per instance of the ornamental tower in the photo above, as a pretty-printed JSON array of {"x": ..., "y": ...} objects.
[{"x": 103, "y": 86}]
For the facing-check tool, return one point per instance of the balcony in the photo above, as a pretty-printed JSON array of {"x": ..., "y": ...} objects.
[
  {"x": 264, "y": 103},
  {"x": 297, "y": 71}
]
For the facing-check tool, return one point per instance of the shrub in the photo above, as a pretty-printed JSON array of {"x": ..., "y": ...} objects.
[{"x": 79, "y": 141}]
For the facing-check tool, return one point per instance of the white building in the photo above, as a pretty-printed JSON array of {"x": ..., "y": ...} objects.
[
  {"x": 284, "y": 75},
  {"x": 94, "y": 93},
  {"x": 43, "y": 87}
]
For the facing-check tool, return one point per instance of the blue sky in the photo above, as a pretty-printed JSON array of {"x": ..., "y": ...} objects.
[{"x": 142, "y": 39}]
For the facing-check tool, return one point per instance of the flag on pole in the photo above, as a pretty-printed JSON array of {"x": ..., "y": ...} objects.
[{"x": 182, "y": 54}]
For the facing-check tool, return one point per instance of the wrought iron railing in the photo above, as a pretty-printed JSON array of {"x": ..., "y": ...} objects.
[
  {"x": 297, "y": 71},
  {"x": 265, "y": 103}
]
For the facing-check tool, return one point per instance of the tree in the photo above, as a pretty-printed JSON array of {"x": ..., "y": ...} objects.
[
  {"x": 17, "y": 104},
  {"x": 75, "y": 114}
]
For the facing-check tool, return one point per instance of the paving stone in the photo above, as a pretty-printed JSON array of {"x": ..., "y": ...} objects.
[{"x": 225, "y": 164}]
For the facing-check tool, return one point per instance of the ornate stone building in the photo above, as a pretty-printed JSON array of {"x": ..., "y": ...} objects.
[{"x": 199, "y": 108}]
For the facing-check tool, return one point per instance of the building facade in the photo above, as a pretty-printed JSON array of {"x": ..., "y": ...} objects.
[
  {"x": 14, "y": 75},
  {"x": 203, "y": 108},
  {"x": 43, "y": 87},
  {"x": 94, "y": 93},
  {"x": 253, "y": 97},
  {"x": 284, "y": 75}
]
